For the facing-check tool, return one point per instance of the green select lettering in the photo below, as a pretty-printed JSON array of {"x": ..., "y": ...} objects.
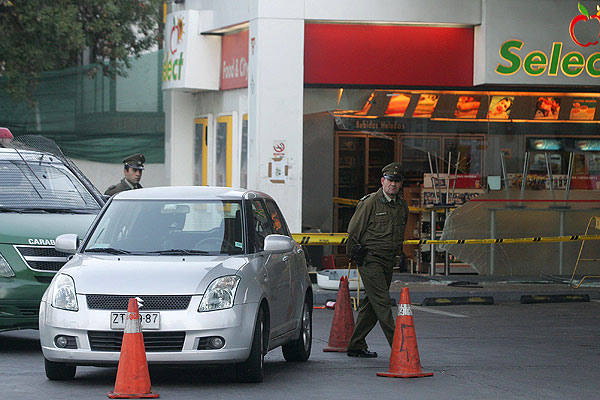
[{"x": 537, "y": 62}]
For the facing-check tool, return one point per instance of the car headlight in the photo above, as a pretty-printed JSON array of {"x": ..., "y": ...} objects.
[
  {"x": 63, "y": 293},
  {"x": 219, "y": 294},
  {"x": 5, "y": 270}
]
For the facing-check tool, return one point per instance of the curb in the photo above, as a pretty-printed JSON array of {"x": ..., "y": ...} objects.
[
  {"x": 554, "y": 298},
  {"x": 459, "y": 300}
]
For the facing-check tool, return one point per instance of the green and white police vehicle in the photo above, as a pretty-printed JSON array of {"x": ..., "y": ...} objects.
[{"x": 42, "y": 195}]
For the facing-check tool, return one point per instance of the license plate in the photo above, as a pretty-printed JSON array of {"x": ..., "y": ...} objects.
[{"x": 150, "y": 320}]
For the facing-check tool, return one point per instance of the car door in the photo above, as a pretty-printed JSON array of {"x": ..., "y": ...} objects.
[
  {"x": 277, "y": 267},
  {"x": 296, "y": 264}
]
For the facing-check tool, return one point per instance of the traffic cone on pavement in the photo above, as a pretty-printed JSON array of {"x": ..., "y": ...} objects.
[
  {"x": 342, "y": 326},
  {"x": 133, "y": 378},
  {"x": 405, "y": 361}
]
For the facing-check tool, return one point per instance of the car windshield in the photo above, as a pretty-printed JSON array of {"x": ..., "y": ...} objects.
[
  {"x": 42, "y": 184},
  {"x": 164, "y": 227}
]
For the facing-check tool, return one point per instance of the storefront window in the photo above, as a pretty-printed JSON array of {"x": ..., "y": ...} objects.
[
  {"x": 420, "y": 155},
  {"x": 200, "y": 151},
  {"x": 244, "y": 153},
  {"x": 508, "y": 163},
  {"x": 467, "y": 152},
  {"x": 223, "y": 152}
]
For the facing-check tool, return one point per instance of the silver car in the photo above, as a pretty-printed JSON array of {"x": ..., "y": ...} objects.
[{"x": 217, "y": 274}]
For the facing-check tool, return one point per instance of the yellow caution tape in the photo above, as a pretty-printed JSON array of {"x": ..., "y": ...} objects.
[
  {"x": 351, "y": 202},
  {"x": 320, "y": 238},
  {"x": 325, "y": 239}
]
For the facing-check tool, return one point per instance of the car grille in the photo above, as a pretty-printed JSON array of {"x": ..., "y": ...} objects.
[
  {"x": 114, "y": 302},
  {"x": 153, "y": 341},
  {"x": 29, "y": 311},
  {"x": 42, "y": 258}
]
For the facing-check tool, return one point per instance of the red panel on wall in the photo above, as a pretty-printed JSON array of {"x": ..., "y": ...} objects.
[
  {"x": 234, "y": 61},
  {"x": 388, "y": 55}
]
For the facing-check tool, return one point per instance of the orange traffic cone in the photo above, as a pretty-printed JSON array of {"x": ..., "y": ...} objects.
[
  {"x": 342, "y": 326},
  {"x": 404, "y": 361},
  {"x": 133, "y": 378}
]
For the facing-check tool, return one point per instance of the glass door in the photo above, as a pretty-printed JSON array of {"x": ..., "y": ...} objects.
[
  {"x": 223, "y": 150},
  {"x": 201, "y": 151}
]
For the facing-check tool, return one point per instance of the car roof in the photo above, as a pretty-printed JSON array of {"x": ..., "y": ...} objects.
[
  {"x": 188, "y": 193},
  {"x": 12, "y": 154}
]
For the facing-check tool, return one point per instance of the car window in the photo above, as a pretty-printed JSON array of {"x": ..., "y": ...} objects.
[
  {"x": 279, "y": 225},
  {"x": 262, "y": 224},
  {"x": 39, "y": 184},
  {"x": 213, "y": 227}
]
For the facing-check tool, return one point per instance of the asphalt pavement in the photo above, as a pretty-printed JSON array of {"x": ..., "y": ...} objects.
[{"x": 471, "y": 289}]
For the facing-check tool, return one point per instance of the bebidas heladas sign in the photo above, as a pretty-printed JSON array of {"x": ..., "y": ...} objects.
[{"x": 558, "y": 59}]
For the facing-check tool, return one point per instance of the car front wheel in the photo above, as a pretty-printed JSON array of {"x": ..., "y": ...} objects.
[
  {"x": 56, "y": 371},
  {"x": 299, "y": 349},
  {"x": 252, "y": 370}
]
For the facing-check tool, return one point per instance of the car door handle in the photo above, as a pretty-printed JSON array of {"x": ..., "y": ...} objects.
[{"x": 285, "y": 258}]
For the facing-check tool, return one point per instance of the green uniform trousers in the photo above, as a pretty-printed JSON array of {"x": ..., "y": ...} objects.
[{"x": 376, "y": 306}]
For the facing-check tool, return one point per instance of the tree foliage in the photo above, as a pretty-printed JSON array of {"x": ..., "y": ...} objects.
[{"x": 47, "y": 35}]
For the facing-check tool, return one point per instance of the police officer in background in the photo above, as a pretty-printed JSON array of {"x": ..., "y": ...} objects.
[
  {"x": 132, "y": 169},
  {"x": 375, "y": 236}
]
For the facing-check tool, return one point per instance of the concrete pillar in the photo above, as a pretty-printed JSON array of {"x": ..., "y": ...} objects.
[
  {"x": 179, "y": 137},
  {"x": 275, "y": 97}
]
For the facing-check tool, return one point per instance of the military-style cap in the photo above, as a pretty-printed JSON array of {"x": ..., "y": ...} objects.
[
  {"x": 135, "y": 161},
  {"x": 393, "y": 171}
]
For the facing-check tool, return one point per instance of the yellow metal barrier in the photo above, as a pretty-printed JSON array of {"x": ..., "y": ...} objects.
[
  {"x": 336, "y": 239},
  {"x": 596, "y": 221}
]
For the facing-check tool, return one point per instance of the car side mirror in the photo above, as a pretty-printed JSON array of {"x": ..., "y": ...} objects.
[
  {"x": 67, "y": 243},
  {"x": 278, "y": 244}
]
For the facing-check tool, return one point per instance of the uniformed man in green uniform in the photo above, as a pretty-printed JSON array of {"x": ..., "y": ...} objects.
[
  {"x": 132, "y": 169},
  {"x": 375, "y": 236}
]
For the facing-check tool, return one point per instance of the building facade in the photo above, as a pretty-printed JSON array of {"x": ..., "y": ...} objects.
[{"x": 307, "y": 100}]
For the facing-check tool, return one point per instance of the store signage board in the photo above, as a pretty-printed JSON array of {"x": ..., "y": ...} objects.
[
  {"x": 234, "y": 61},
  {"x": 538, "y": 42},
  {"x": 337, "y": 54},
  {"x": 190, "y": 60},
  {"x": 381, "y": 124}
]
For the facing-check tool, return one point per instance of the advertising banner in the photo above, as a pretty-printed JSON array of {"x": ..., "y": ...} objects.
[
  {"x": 190, "y": 61},
  {"x": 538, "y": 42},
  {"x": 234, "y": 61}
]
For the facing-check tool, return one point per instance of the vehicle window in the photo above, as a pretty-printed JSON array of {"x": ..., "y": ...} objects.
[
  {"x": 211, "y": 227},
  {"x": 41, "y": 184},
  {"x": 262, "y": 224},
  {"x": 279, "y": 224}
]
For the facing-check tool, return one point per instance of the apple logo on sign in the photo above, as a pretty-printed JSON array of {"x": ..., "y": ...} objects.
[{"x": 583, "y": 17}]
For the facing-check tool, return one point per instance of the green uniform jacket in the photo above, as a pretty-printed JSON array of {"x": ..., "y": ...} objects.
[
  {"x": 121, "y": 187},
  {"x": 378, "y": 225}
]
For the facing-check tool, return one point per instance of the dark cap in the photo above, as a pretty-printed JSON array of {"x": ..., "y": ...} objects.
[
  {"x": 393, "y": 171},
  {"x": 135, "y": 161}
]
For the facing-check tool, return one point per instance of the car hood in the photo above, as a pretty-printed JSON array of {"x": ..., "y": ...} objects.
[
  {"x": 41, "y": 229},
  {"x": 146, "y": 275}
]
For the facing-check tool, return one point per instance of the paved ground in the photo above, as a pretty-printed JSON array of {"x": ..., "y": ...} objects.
[
  {"x": 501, "y": 289},
  {"x": 503, "y": 351}
]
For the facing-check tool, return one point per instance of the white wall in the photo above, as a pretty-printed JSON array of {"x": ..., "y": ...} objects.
[
  {"x": 276, "y": 76},
  {"x": 103, "y": 175},
  {"x": 233, "y": 12}
]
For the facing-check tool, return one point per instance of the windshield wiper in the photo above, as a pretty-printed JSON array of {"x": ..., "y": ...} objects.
[
  {"x": 109, "y": 250},
  {"x": 23, "y": 210},
  {"x": 178, "y": 252}
]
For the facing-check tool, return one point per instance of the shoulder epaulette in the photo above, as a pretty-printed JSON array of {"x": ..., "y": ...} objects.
[{"x": 366, "y": 196}]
